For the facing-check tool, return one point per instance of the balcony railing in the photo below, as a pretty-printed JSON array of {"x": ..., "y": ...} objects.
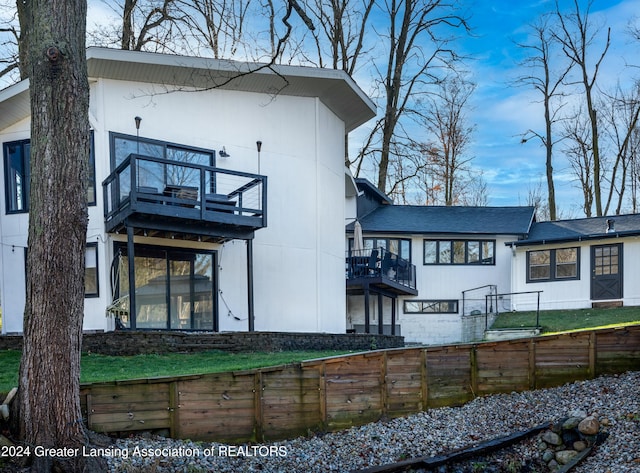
[
  {"x": 174, "y": 189},
  {"x": 380, "y": 263}
]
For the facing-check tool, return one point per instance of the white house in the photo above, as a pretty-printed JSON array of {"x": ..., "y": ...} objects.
[
  {"x": 579, "y": 263},
  {"x": 433, "y": 267},
  {"x": 433, "y": 274},
  {"x": 217, "y": 190}
]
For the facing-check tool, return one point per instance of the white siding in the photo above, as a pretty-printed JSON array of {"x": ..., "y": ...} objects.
[{"x": 576, "y": 294}]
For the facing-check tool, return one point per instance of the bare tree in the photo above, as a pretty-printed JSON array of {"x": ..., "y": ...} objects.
[
  {"x": 578, "y": 150},
  {"x": 447, "y": 125},
  {"x": 577, "y": 37},
  {"x": 547, "y": 82},
  {"x": 621, "y": 117},
  {"x": 417, "y": 52},
  {"x": 54, "y": 47},
  {"x": 342, "y": 28}
]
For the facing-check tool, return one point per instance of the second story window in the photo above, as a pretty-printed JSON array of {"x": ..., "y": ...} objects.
[
  {"x": 17, "y": 173},
  {"x": 397, "y": 246},
  {"x": 459, "y": 252}
]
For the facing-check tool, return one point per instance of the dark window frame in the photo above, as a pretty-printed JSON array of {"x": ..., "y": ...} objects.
[
  {"x": 481, "y": 261},
  {"x": 386, "y": 247},
  {"x": 553, "y": 266},
  {"x": 113, "y": 136},
  {"x": 26, "y": 164},
  {"x": 94, "y": 247},
  {"x": 9, "y": 200},
  {"x": 425, "y": 303},
  {"x": 165, "y": 252}
]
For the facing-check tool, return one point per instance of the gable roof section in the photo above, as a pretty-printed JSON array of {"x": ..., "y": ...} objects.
[
  {"x": 333, "y": 87},
  {"x": 372, "y": 191},
  {"x": 427, "y": 220},
  {"x": 561, "y": 231}
]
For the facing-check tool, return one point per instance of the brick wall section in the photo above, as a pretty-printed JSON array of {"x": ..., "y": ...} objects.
[{"x": 141, "y": 342}]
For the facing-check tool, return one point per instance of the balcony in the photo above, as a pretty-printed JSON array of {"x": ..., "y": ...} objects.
[
  {"x": 169, "y": 199},
  {"x": 379, "y": 270}
]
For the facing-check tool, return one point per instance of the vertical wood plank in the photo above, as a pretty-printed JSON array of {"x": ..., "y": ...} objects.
[
  {"x": 592, "y": 354},
  {"x": 423, "y": 380},
  {"x": 174, "y": 410},
  {"x": 473, "y": 360},
  {"x": 384, "y": 388},
  {"x": 532, "y": 364},
  {"x": 323, "y": 394},
  {"x": 258, "y": 400}
]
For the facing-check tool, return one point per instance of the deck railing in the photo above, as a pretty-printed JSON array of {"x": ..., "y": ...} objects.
[
  {"x": 381, "y": 263},
  {"x": 140, "y": 181}
]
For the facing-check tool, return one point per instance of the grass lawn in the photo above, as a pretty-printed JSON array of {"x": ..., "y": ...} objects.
[
  {"x": 561, "y": 320},
  {"x": 97, "y": 368}
]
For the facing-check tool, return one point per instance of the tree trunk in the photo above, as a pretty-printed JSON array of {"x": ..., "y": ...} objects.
[{"x": 50, "y": 414}]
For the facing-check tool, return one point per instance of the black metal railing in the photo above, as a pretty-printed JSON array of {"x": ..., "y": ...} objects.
[
  {"x": 378, "y": 262},
  {"x": 145, "y": 181}
]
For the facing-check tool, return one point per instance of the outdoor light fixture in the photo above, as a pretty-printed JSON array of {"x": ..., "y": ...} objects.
[
  {"x": 223, "y": 153},
  {"x": 138, "y": 120},
  {"x": 259, "y": 147}
]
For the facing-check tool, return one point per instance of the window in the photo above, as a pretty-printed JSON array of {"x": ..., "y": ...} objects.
[
  {"x": 17, "y": 174},
  {"x": 431, "y": 307},
  {"x": 397, "y": 246},
  {"x": 460, "y": 252},
  {"x": 157, "y": 175},
  {"x": 553, "y": 265},
  {"x": 91, "y": 271}
]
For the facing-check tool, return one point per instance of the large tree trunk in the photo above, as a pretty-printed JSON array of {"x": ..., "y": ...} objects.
[{"x": 50, "y": 369}]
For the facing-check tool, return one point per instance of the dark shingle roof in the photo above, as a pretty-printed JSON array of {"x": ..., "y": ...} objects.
[
  {"x": 408, "y": 219},
  {"x": 582, "y": 229}
]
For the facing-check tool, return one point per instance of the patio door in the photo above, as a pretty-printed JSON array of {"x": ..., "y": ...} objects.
[
  {"x": 606, "y": 272},
  {"x": 175, "y": 288}
]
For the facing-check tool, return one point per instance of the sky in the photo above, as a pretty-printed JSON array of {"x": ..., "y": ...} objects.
[{"x": 502, "y": 112}]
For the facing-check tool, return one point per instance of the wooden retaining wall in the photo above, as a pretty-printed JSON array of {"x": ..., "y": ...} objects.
[{"x": 338, "y": 392}]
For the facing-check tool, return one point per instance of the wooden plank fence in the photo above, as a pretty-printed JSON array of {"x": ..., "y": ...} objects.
[{"x": 338, "y": 392}]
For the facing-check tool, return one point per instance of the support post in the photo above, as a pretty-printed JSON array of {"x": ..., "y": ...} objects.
[
  {"x": 366, "y": 309},
  {"x": 393, "y": 315},
  {"x": 380, "y": 314},
  {"x": 132, "y": 278},
  {"x": 250, "y": 302}
]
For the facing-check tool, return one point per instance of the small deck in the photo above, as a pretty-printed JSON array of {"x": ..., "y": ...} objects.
[
  {"x": 168, "y": 199},
  {"x": 381, "y": 271}
]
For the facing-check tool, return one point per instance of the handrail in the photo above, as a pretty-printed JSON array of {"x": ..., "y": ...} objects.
[
  {"x": 379, "y": 262},
  {"x": 211, "y": 180}
]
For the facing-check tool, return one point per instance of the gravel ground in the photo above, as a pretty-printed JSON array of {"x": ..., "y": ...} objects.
[{"x": 615, "y": 400}]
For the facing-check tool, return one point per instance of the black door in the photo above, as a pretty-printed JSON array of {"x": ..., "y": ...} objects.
[{"x": 606, "y": 272}]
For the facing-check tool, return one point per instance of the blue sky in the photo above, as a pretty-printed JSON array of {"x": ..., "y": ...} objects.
[{"x": 503, "y": 111}]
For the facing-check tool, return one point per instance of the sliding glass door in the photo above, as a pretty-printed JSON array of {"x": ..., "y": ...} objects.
[{"x": 175, "y": 288}]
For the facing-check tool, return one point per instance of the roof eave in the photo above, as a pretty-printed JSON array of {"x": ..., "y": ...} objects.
[{"x": 575, "y": 239}]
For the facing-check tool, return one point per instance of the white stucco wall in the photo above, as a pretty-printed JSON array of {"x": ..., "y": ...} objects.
[{"x": 298, "y": 257}]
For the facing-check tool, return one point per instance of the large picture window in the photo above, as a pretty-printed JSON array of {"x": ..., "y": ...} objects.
[
  {"x": 553, "y": 265},
  {"x": 17, "y": 173},
  {"x": 459, "y": 252},
  {"x": 157, "y": 175}
]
